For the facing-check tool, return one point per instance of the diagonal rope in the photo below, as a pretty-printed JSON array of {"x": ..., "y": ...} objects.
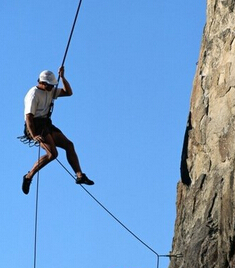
[
  {"x": 65, "y": 55},
  {"x": 111, "y": 214},
  {"x": 24, "y": 138},
  {"x": 71, "y": 33},
  {"x": 158, "y": 256}
]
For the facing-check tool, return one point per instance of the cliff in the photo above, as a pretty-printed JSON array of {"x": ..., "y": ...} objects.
[{"x": 205, "y": 221}]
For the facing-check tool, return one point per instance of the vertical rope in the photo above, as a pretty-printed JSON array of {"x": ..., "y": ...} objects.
[
  {"x": 49, "y": 115},
  {"x": 36, "y": 214},
  {"x": 157, "y": 261}
]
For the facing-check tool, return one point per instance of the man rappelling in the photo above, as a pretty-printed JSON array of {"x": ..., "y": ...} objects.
[{"x": 39, "y": 127}]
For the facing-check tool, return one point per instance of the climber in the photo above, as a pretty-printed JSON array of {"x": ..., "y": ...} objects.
[{"x": 39, "y": 127}]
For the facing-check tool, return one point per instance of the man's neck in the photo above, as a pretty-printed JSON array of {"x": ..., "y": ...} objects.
[{"x": 39, "y": 86}]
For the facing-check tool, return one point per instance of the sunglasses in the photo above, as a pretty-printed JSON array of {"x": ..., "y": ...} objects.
[{"x": 47, "y": 85}]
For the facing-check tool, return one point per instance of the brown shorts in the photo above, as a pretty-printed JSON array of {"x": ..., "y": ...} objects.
[{"x": 43, "y": 127}]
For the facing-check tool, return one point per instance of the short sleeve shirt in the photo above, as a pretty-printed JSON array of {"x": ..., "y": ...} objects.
[{"x": 37, "y": 101}]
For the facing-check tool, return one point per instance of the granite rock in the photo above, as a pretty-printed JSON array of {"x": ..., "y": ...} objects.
[{"x": 205, "y": 221}]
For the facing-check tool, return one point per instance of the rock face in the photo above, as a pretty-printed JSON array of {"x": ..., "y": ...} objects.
[{"x": 205, "y": 223}]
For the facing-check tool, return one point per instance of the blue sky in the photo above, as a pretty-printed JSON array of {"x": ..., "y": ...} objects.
[{"x": 131, "y": 65}]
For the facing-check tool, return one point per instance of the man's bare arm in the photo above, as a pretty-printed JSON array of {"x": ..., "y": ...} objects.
[{"x": 66, "y": 90}]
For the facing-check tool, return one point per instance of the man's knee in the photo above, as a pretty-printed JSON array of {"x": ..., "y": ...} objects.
[
  {"x": 52, "y": 155},
  {"x": 69, "y": 145}
]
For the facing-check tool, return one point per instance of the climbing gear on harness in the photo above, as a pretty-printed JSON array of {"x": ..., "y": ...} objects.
[
  {"x": 28, "y": 141},
  {"x": 43, "y": 126},
  {"x": 84, "y": 180}
]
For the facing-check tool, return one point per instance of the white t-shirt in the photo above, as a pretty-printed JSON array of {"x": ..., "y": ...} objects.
[{"x": 37, "y": 101}]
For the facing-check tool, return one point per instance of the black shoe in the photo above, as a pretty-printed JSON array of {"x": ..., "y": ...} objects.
[
  {"x": 84, "y": 180},
  {"x": 26, "y": 184}
]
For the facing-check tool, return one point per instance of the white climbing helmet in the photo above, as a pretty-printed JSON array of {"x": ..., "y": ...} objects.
[{"x": 48, "y": 77}]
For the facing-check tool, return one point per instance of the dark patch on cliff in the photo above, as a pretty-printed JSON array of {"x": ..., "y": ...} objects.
[{"x": 183, "y": 165}]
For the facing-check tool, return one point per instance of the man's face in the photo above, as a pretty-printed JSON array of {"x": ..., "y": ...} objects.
[{"x": 46, "y": 86}]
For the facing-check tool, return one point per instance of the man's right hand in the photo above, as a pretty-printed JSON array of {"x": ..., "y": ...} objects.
[{"x": 38, "y": 138}]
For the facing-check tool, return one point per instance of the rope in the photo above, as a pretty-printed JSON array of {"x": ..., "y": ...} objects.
[
  {"x": 32, "y": 143},
  {"x": 168, "y": 256},
  {"x": 24, "y": 138},
  {"x": 108, "y": 211},
  {"x": 65, "y": 55},
  {"x": 71, "y": 33},
  {"x": 158, "y": 256},
  {"x": 36, "y": 214},
  {"x": 111, "y": 214}
]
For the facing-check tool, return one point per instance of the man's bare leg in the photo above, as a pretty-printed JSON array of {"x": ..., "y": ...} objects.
[
  {"x": 51, "y": 154},
  {"x": 63, "y": 142}
]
